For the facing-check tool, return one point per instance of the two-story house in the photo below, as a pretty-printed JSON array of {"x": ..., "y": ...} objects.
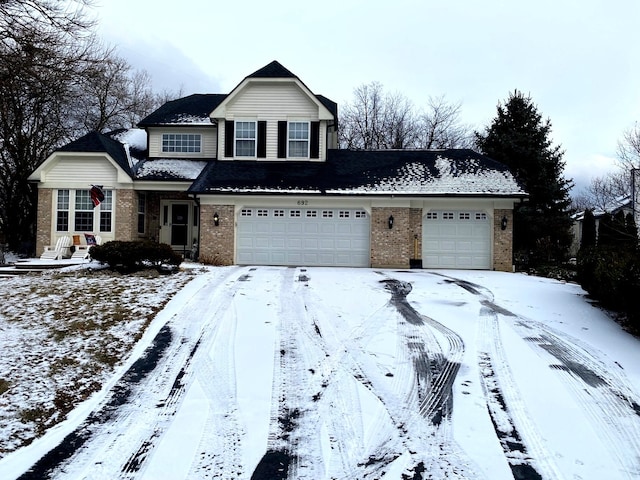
[{"x": 255, "y": 177}]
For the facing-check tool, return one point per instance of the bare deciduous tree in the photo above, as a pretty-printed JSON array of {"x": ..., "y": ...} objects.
[
  {"x": 629, "y": 148},
  {"x": 605, "y": 192},
  {"x": 48, "y": 60},
  {"x": 376, "y": 120},
  {"x": 440, "y": 126},
  {"x": 112, "y": 95}
]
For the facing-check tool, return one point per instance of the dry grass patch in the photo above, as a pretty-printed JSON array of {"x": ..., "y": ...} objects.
[{"x": 62, "y": 335}]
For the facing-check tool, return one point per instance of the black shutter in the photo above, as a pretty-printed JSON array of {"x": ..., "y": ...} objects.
[
  {"x": 229, "y": 137},
  {"x": 282, "y": 139},
  {"x": 262, "y": 139},
  {"x": 314, "y": 146}
]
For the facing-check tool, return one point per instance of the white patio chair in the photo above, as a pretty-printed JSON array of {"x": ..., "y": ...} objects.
[
  {"x": 57, "y": 252},
  {"x": 82, "y": 252}
]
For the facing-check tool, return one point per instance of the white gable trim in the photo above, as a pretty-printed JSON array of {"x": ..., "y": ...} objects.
[{"x": 44, "y": 173}]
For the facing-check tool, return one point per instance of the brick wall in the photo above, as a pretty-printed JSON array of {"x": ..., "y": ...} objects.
[
  {"x": 217, "y": 243},
  {"x": 44, "y": 219},
  {"x": 126, "y": 207},
  {"x": 391, "y": 247},
  {"x": 503, "y": 241}
]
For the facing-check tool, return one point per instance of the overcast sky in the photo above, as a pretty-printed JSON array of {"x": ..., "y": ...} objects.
[{"x": 579, "y": 60}]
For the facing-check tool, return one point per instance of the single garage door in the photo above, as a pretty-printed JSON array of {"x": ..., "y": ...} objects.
[
  {"x": 456, "y": 239},
  {"x": 303, "y": 236}
]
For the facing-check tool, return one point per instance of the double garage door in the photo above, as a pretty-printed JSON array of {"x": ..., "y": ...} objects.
[
  {"x": 456, "y": 239},
  {"x": 303, "y": 236}
]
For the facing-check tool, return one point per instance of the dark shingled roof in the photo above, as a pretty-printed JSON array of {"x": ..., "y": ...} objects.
[
  {"x": 397, "y": 172},
  {"x": 273, "y": 70},
  {"x": 181, "y": 110},
  {"x": 196, "y": 108},
  {"x": 98, "y": 142}
]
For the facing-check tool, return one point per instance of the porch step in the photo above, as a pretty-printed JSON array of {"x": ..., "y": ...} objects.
[{"x": 23, "y": 267}]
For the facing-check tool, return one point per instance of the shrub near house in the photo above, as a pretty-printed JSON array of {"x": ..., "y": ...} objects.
[
  {"x": 136, "y": 255},
  {"x": 609, "y": 268}
]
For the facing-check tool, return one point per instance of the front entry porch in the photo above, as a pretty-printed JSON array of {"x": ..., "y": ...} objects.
[{"x": 179, "y": 225}]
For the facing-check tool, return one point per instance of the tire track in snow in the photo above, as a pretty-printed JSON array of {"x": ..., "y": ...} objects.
[
  {"x": 436, "y": 400},
  {"x": 604, "y": 393},
  {"x": 293, "y": 447},
  {"x": 95, "y": 449}
]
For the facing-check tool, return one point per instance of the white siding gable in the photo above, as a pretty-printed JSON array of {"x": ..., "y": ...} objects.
[
  {"x": 81, "y": 171},
  {"x": 275, "y": 101}
]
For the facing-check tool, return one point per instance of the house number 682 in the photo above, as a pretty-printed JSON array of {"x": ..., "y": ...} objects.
[{"x": 303, "y": 202}]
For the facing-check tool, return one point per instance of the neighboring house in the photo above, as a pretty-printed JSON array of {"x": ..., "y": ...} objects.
[
  {"x": 623, "y": 203},
  {"x": 255, "y": 177}
]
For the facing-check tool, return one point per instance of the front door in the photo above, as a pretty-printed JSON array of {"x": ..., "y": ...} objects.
[{"x": 179, "y": 224}]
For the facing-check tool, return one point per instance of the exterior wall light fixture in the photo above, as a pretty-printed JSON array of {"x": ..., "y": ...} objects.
[
  {"x": 504, "y": 222},
  {"x": 216, "y": 219},
  {"x": 390, "y": 221}
]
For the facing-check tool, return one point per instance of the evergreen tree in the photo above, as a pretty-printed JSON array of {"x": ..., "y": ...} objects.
[
  {"x": 606, "y": 231},
  {"x": 631, "y": 230},
  {"x": 519, "y": 138},
  {"x": 588, "y": 230}
]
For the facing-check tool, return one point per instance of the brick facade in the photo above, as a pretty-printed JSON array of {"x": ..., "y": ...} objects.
[
  {"x": 217, "y": 242},
  {"x": 126, "y": 227},
  {"x": 44, "y": 219},
  {"x": 391, "y": 247},
  {"x": 503, "y": 241}
]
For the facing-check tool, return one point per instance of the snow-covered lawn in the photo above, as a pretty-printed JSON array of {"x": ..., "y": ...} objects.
[
  {"x": 61, "y": 335},
  {"x": 323, "y": 373}
]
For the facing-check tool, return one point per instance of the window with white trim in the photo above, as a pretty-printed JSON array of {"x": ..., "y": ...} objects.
[
  {"x": 181, "y": 142},
  {"x": 62, "y": 211},
  {"x": 448, "y": 216},
  {"x": 77, "y": 205},
  {"x": 106, "y": 208},
  {"x": 142, "y": 211},
  {"x": 83, "y": 212},
  {"x": 294, "y": 213},
  {"x": 245, "y": 140},
  {"x": 278, "y": 213},
  {"x": 312, "y": 213},
  {"x": 432, "y": 215},
  {"x": 361, "y": 214},
  {"x": 327, "y": 214},
  {"x": 246, "y": 212},
  {"x": 263, "y": 212},
  {"x": 299, "y": 139},
  {"x": 481, "y": 216},
  {"x": 464, "y": 216}
]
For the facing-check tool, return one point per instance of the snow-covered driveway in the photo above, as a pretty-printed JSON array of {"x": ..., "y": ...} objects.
[{"x": 325, "y": 373}]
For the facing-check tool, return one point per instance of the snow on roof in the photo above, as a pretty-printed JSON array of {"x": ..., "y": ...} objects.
[
  {"x": 416, "y": 178},
  {"x": 170, "y": 169},
  {"x": 134, "y": 137}
]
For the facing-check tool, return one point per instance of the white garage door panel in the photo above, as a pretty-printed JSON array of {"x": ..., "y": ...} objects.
[
  {"x": 456, "y": 239},
  {"x": 304, "y": 236}
]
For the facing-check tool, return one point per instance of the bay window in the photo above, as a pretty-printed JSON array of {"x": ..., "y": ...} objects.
[{"x": 77, "y": 205}]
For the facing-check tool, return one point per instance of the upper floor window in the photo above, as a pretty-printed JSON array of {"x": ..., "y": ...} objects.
[
  {"x": 245, "y": 139},
  {"x": 182, "y": 142},
  {"x": 299, "y": 139}
]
